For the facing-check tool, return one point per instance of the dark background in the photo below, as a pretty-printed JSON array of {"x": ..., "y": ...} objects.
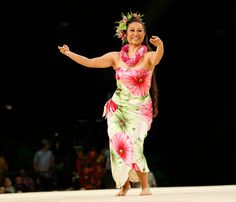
[{"x": 44, "y": 94}]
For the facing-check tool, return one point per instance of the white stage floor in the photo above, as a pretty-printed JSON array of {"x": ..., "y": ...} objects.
[{"x": 225, "y": 193}]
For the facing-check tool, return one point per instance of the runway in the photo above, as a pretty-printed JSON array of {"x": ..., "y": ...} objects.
[{"x": 222, "y": 193}]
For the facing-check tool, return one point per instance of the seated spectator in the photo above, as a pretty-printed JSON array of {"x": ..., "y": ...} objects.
[
  {"x": 19, "y": 185},
  {"x": 3, "y": 167},
  {"x": 2, "y": 189},
  {"x": 9, "y": 188},
  {"x": 27, "y": 181}
]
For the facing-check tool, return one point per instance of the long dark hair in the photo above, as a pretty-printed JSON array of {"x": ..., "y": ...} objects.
[{"x": 154, "y": 88}]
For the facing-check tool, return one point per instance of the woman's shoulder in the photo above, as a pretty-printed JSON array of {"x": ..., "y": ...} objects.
[
  {"x": 116, "y": 56},
  {"x": 114, "y": 53}
]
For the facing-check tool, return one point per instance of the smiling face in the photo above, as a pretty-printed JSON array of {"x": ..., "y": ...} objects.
[{"x": 135, "y": 33}]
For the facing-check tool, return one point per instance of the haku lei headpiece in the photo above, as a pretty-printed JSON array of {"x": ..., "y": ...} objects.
[{"x": 122, "y": 24}]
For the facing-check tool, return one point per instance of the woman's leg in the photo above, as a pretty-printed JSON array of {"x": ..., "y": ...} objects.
[
  {"x": 124, "y": 189},
  {"x": 144, "y": 183}
]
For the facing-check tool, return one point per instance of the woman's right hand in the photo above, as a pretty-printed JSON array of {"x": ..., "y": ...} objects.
[{"x": 64, "y": 49}]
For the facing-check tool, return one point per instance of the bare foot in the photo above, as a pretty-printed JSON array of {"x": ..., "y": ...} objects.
[
  {"x": 123, "y": 191},
  {"x": 145, "y": 191}
]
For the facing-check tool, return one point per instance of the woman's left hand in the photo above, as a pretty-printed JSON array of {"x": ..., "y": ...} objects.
[{"x": 155, "y": 40}]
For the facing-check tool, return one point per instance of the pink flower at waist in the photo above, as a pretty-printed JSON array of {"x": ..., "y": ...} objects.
[{"x": 110, "y": 107}]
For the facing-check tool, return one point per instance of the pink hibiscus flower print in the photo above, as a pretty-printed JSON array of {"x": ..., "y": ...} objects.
[
  {"x": 123, "y": 146},
  {"x": 146, "y": 111},
  {"x": 118, "y": 73},
  {"x": 110, "y": 107},
  {"x": 135, "y": 166},
  {"x": 138, "y": 81}
]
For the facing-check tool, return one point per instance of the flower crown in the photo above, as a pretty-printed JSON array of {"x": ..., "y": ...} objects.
[{"x": 122, "y": 24}]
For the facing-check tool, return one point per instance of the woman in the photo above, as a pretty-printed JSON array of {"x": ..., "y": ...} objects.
[{"x": 132, "y": 107}]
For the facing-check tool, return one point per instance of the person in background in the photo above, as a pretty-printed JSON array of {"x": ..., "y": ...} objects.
[
  {"x": 9, "y": 188},
  {"x": 3, "y": 167},
  {"x": 44, "y": 161},
  {"x": 27, "y": 180},
  {"x": 2, "y": 190},
  {"x": 107, "y": 180},
  {"x": 19, "y": 185},
  {"x": 132, "y": 107}
]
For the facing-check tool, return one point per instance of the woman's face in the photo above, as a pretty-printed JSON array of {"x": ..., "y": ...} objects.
[{"x": 135, "y": 33}]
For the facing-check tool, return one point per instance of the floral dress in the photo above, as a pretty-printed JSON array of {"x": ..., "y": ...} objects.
[{"x": 129, "y": 117}]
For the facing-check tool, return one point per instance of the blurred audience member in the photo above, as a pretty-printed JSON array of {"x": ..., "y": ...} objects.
[
  {"x": 3, "y": 167},
  {"x": 107, "y": 180},
  {"x": 9, "y": 188},
  {"x": 2, "y": 189},
  {"x": 27, "y": 181},
  {"x": 44, "y": 160},
  {"x": 19, "y": 185}
]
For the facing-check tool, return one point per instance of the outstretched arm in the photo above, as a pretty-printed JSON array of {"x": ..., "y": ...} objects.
[
  {"x": 104, "y": 61},
  {"x": 156, "y": 56}
]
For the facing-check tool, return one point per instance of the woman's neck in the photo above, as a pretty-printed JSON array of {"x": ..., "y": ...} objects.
[
  {"x": 133, "y": 49},
  {"x": 132, "y": 54}
]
